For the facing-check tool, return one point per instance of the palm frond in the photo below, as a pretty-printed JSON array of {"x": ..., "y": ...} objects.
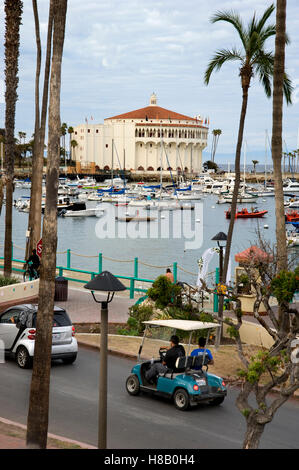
[
  {"x": 234, "y": 19},
  {"x": 287, "y": 88},
  {"x": 261, "y": 23},
  {"x": 220, "y": 57}
]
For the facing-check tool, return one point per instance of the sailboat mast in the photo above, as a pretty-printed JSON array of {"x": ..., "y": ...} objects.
[{"x": 112, "y": 162}]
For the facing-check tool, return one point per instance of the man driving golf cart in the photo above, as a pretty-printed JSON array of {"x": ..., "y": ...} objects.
[
  {"x": 168, "y": 362},
  {"x": 188, "y": 383}
]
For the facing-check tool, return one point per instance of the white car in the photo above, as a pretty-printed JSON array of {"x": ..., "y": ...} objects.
[{"x": 18, "y": 329}]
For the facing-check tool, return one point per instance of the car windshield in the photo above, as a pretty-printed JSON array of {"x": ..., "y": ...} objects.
[{"x": 60, "y": 318}]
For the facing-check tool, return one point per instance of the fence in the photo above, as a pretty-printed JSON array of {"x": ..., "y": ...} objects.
[{"x": 133, "y": 280}]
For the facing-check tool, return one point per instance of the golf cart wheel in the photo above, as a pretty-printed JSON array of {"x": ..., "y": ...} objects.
[
  {"x": 133, "y": 385},
  {"x": 216, "y": 401},
  {"x": 181, "y": 399},
  {"x": 23, "y": 359}
]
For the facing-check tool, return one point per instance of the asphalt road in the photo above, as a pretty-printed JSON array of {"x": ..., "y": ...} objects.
[{"x": 135, "y": 422}]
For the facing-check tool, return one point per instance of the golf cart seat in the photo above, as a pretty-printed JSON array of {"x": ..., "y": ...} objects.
[
  {"x": 199, "y": 361},
  {"x": 182, "y": 364}
]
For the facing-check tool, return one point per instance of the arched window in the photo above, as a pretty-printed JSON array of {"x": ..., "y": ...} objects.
[
  {"x": 150, "y": 168},
  {"x": 169, "y": 168},
  {"x": 140, "y": 168},
  {"x": 179, "y": 168},
  {"x": 186, "y": 168},
  {"x": 159, "y": 169},
  {"x": 136, "y": 133},
  {"x": 106, "y": 167}
]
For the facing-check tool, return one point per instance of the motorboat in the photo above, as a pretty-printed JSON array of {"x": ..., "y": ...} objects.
[
  {"x": 293, "y": 236},
  {"x": 292, "y": 216},
  {"x": 90, "y": 212},
  {"x": 245, "y": 214},
  {"x": 292, "y": 187}
]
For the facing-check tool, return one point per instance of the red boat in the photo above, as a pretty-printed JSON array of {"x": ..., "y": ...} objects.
[
  {"x": 245, "y": 214},
  {"x": 292, "y": 216}
]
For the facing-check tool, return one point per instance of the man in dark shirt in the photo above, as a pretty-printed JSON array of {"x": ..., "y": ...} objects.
[
  {"x": 176, "y": 350},
  {"x": 34, "y": 259}
]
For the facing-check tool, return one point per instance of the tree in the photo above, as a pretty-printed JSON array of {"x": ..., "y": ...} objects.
[
  {"x": 210, "y": 165},
  {"x": 253, "y": 60},
  {"x": 74, "y": 144},
  {"x": 37, "y": 424},
  {"x": 70, "y": 131},
  {"x": 216, "y": 134},
  {"x": 64, "y": 128},
  {"x": 13, "y": 15},
  {"x": 274, "y": 369},
  {"x": 34, "y": 219},
  {"x": 255, "y": 162}
]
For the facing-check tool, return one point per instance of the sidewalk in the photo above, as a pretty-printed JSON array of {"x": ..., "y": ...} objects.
[
  {"x": 82, "y": 308},
  {"x": 13, "y": 436}
]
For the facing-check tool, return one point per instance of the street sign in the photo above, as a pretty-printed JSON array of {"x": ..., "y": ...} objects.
[{"x": 39, "y": 248}]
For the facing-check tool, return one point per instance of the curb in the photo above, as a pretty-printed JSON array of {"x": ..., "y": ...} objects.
[{"x": 83, "y": 445}]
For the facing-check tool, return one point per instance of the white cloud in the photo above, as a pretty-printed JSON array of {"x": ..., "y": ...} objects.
[{"x": 117, "y": 53}]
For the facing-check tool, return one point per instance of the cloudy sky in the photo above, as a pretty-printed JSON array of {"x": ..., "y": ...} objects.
[{"x": 118, "y": 52}]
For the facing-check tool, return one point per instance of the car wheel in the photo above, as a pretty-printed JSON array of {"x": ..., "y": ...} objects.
[
  {"x": 216, "y": 401},
  {"x": 70, "y": 360},
  {"x": 181, "y": 399},
  {"x": 133, "y": 385},
  {"x": 23, "y": 359}
]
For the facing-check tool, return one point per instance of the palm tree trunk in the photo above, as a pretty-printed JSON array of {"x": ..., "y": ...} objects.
[
  {"x": 37, "y": 424},
  {"x": 278, "y": 78},
  {"x": 34, "y": 221},
  {"x": 13, "y": 15}
]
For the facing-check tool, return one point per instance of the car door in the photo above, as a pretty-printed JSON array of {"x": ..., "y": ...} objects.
[{"x": 8, "y": 329}]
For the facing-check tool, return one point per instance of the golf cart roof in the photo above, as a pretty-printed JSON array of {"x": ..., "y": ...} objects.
[{"x": 186, "y": 325}]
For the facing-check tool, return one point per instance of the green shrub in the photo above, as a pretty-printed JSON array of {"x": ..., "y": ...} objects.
[
  {"x": 7, "y": 281},
  {"x": 163, "y": 292}
]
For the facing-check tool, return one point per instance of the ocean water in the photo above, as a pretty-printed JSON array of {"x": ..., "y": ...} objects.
[{"x": 165, "y": 244}]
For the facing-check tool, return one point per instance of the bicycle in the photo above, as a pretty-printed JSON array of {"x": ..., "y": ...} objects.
[{"x": 30, "y": 273}]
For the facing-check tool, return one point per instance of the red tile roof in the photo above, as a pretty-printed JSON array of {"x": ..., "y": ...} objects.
[{"x": 153, "y": 112}]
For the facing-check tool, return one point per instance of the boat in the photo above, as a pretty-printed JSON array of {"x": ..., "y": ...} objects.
[
  {"x": 242, "y": 198},
  {"x": 292, "y": 187},
  {"x": 292, "y": 216},
  {"x": 293, "y": 236},
  {"x": 135, "y": 218},
  {"x": 91, "y": 212},
  {"x": 245, "y": 214}
]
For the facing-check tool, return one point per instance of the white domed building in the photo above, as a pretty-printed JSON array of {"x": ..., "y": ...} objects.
[{"x": 143, "y": 140}]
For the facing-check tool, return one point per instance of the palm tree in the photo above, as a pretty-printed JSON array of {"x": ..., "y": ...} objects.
[
  {"x": 13, "y": 15},
  {"x": 74, "y": 144},
  {"x": 278, "y": 88},
  {"x": 34, "y": 219},
  {"x": 254, "y": 60},
  {"x": 216, "y": 134},
  {"x": 70, "y": 131},
  {"x": 255, "y": 162},
  {"x": 37, "y": 424},
  {"x": 64, "y": 128}
]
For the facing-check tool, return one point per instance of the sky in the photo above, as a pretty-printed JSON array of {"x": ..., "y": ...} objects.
[{"x": 117, "y": 53}]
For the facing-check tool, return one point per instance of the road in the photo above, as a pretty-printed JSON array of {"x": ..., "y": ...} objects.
[{"x": 135, "y": 422}]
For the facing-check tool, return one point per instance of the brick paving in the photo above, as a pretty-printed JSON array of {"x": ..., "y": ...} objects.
[{"x": 83, "y": 309}]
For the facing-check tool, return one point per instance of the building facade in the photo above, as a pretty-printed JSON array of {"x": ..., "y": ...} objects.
[{"x": 146, "y": 139}]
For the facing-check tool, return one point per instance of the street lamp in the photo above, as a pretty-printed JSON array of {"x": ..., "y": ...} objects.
[
  {"x": 220, "y": 237},
  {"x": 104, "y": 282}
]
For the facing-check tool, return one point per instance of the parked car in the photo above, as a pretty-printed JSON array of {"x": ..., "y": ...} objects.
[{"x": 18, "y": 329}]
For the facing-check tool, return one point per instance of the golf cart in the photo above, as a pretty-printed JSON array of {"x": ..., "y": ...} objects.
[{"x": 188, "y": 384}]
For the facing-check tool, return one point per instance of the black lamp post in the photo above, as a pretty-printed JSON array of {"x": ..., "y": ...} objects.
[
  {"x": 220, "y": 237},
  {"x": 104, "y": 282}
]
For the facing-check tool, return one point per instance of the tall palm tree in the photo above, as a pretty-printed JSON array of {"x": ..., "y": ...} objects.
[
  {"x": 64, "y": 128},
  {"x": 254, "y": 162},
  {"x": 254, "y": 60},
  {"x": 13, "y": 15},
  {"x": 74, "y": 144},
  {"x": 34, "y": 219},
  {"x": 70, "y": 131},
  {"x": 216, "y": 134},
  {"x": 37, "y": 424}
]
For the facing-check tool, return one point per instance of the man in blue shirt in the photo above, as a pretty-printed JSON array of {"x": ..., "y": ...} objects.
[{"x": 200, "y": 351}]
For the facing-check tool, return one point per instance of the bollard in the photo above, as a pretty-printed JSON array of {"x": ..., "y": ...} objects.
[
  {"x": 217, "y": 278},
  {"x": 136, "y": 268},
  {"x": 100, "y": 263},
  {"x": 68, "y": 258},
  {"x": 175, "y": 271}
]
